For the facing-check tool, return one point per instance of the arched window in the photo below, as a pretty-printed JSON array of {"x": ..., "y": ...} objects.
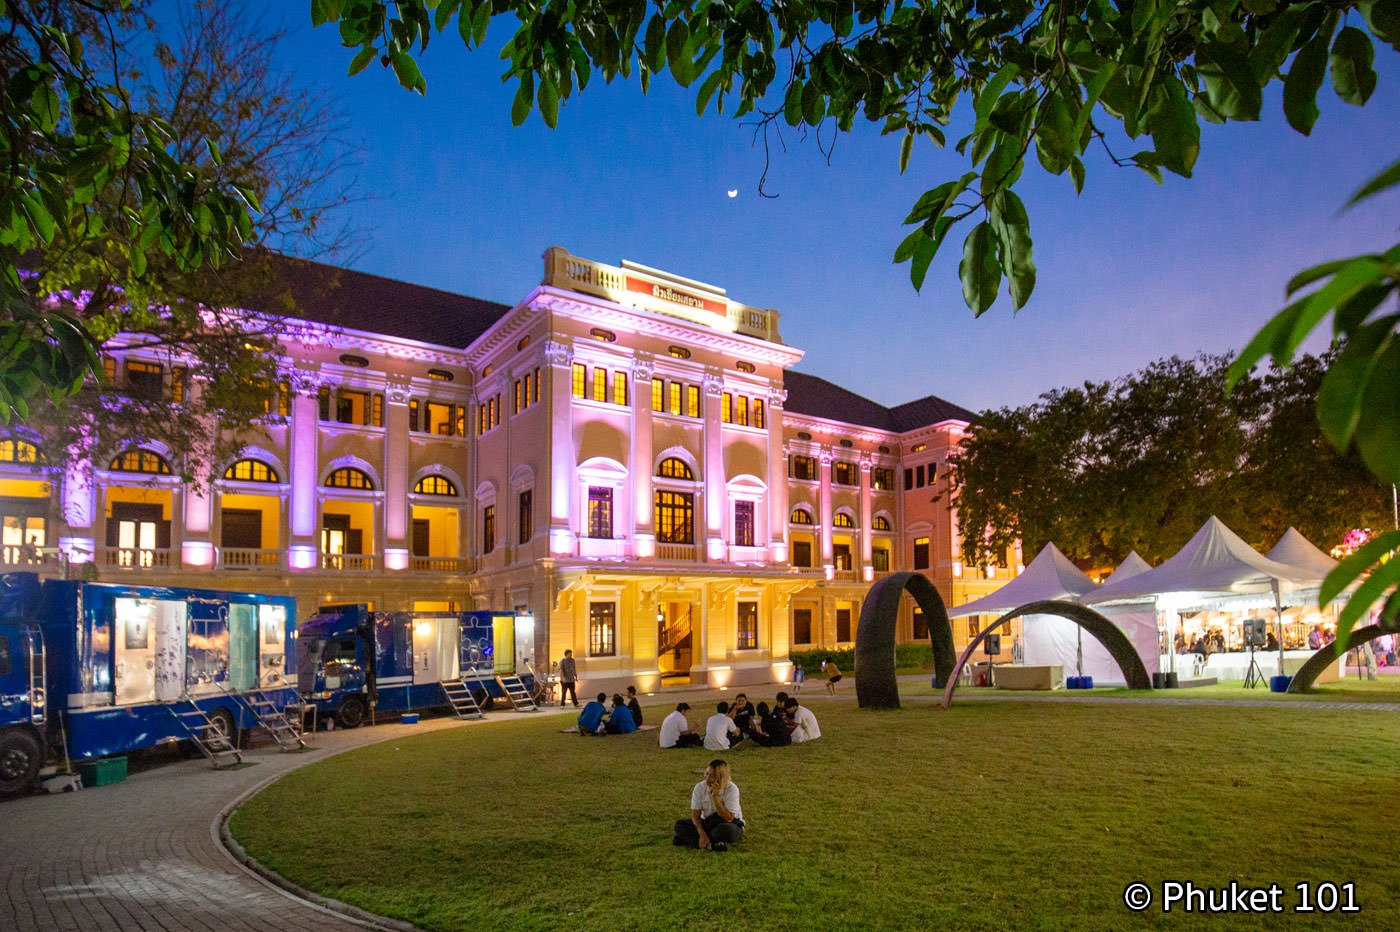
[
  {"x": 801, "y": 516},
  {"x": 19, "y": 451},
  {"x": 880, "y": 523},
  {"x": 347, "y": 477},
  {"x": 140, "y": 461},
  {"x": 251, "y": 471},
  {"x": 435, "y": 485},
  {"x": 674, "y": 468},
  {"x": 841, "y": 519}
]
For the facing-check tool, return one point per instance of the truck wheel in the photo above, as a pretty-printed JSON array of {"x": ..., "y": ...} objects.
[
  {"x": 20, "y": 759},
  {"x": 351, "y": 713},
  {"x": 222, "y": 720}
]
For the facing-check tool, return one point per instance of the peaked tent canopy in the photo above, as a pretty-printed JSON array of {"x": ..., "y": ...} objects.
[
  {"x": 1050, "y": 575},
  {"x": 1215, "y": 561},
  {"x": 1296, "y": 550},
  {"x": 1132, "y": 565}
]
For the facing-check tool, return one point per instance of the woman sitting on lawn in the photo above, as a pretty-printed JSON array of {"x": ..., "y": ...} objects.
[{"x": 716, "y": 820}]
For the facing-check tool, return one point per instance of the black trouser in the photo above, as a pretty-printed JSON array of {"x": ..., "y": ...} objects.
[
  {"x": 689, "y": 740},
  {"x": 566, "y": 690},
  {"x": 715, "y": 827}
]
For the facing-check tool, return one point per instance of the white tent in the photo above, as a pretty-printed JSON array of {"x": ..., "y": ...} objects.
[
  {"x": 1050, "y": 575},
  {"x": 1296, "y": 550},
  {"x": 1215, "y": 569},
  {"x": 1053, "y": 640}
]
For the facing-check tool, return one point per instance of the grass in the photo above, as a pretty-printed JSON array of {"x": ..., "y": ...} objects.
[
  {"x": 989, "y": 816},
  {"x": 1384, "y": 690}
]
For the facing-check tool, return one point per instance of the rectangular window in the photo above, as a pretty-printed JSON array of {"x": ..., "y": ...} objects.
[
  {"x": 323, "y": 402},
  {"x": 144, "y": 379},
  {"x": 658, "y": 395},
  {"x": 726, "y": 408},
  {"x": 843, "y": 624},
  {"x": 692, "y": 401},
  {"x": 801, "y": 626},
  {"x": 284, "y": 398},
  {"x": 179, "y": 375},
  {"x": 580, "y": 379},
  {"x": 746, "y": 638},
  {"x": 675, "y": 518},
  {"x": 619, "y": 388},
  {"x": 526, "y": 519},
  {"x": 743, "y": 524},
  {"x": 413, "y": 414},
  {"x": 488, "y": 529},
  {"x": 675, "y": 399},
  {"x": 461, "y": 420},
  {"x": 352, "y": 407},
  {"x": 758, "y": 412},
  {"x": 602, "y": 629},
  {"x": 841, "y": 556},
  {"x": 535, "y": 388},
  {"x": 437, "y": 418},
  {"x": 920, "y": 625},
  {"x": 804, "y": 467},
  {"x": 741, "y": 410},
  {"x": 109, "y": 369},
  {"x": 377, "y": 411},
  {"x": 921, "y": 553},
  {"x": 844, "y": 473},
  {"x": 908, "y": 479},
  {"x": 802, "y": 553},
  {"x": 880, "y": 560},
  {"x": 600, "y": 384},
  {"x": 919, "y": 476},
  {"x": 519, "y": 396},
  {"x": 600, "y": 512},
  {"x": 882, "y": 478}
]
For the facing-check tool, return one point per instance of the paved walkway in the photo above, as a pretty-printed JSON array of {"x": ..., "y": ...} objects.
[{"x": 144, "y": 854}]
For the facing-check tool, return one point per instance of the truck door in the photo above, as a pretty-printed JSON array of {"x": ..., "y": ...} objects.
[
  {"x": 435, "y": 648},
  {"x": 243, "y": 646},
  {"x": 272, "y": 641},
  {"x": 524, "y": 642},
  {"x": 150, "y": 650}
]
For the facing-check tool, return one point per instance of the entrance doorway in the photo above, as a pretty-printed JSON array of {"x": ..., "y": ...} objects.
[{"x": 674, "y": 653}]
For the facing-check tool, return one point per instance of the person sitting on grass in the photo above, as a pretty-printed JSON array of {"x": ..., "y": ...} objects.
[
  {"x": 590, "y": 720},
  {"x": 676, "y": 731},
  {"x": 634, "y": 706},
  {"x": 742, "y": 713},
  {"x": 806, "y": 723},
  {"x": 719, "y": 727},
  {"x": 777, "y": 727},
  {"x": 716, "y": 819},
  {"x": 620, "y": 720}
]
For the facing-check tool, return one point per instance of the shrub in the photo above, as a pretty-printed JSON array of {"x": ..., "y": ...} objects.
[{"x": 908, "y": 658}]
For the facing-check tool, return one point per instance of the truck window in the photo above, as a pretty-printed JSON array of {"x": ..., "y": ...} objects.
[
  {"x": 339, "y": 649},
  {"x": 5, "y": 667}
]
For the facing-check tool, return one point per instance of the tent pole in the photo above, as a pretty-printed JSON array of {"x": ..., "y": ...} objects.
[{"x": 1278, "y": 626}]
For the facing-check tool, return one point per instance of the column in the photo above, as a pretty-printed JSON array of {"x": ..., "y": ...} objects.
[
  {"x": 867, "y": 572},
  {"x": 643, "y": 532},
  {"x": 777, "y": 480},
  {"x": 824, "y": 458},
  {"x": 715, "y": 492},
  {"x": 559, "y": 360},
  {"x": 78, "y": 508},
  {"x": 395, "y": 466},
  {"x": 303, "y": 549}
]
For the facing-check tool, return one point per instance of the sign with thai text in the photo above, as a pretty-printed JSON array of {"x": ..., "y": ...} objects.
[{"x": 675, "y": 296}]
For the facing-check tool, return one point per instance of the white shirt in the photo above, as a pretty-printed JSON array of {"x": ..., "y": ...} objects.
[
  {"x": 671, "y": 728},
  {"x": 806, "y": 729},
  {"x": 718, "y": 728},
  {"x": 701, "y": 799}
]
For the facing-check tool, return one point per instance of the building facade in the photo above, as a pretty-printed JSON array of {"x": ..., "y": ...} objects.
[{"x": 625, "y": 454}]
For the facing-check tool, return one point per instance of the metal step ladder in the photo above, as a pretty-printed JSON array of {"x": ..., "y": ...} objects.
[
  {"x": 205, "y": 735},
  {"x": 459, "y": 696},
  {"x": 517, "y": 693},
  {"x": 284, "y": 729}
]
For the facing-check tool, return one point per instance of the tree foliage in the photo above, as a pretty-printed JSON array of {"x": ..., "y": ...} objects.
[{"x": 1141, "y": 462}]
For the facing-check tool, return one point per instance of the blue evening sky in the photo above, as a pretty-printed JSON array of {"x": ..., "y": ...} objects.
[{"x": 1128, "y": 271}]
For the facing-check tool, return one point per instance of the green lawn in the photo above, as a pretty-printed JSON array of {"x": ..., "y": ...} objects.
[
  {"x": 1386, "y": 689},
  {"x": 1005, "y": 815}
]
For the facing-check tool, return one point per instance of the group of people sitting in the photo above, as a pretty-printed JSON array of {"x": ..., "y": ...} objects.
[
  {"x": 623, "y": 718},
  {"x": 786, "y": 722}
]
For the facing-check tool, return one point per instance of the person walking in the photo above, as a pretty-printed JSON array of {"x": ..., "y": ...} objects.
[{"x": 568, "y": 679}]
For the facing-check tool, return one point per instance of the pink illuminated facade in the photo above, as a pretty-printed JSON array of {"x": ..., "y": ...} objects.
[{"x": 623, "y": 454}]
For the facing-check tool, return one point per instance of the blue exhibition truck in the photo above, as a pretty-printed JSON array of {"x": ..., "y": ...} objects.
[
  {"x": 91, "y": 669},
  {"x": 351, "y": 661}
]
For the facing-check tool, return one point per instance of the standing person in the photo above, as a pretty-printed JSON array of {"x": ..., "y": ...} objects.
[
  {"x": 833, "y": 675},
  {"x": 676, "y": 731},
  {"x": 568, "y": 679},
  {"x": 716, "y": 818},
  {"x": 620, "y": 719},
  {"x": 719, "y": 727},
  {"x": 807, "y": 728},
  {"x": 634, "y": 706},
  {"x": 799, "y": 676},
  {"x": 590, "y": 720}
]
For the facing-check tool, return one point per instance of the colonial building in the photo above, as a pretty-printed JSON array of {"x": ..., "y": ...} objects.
[{"x": 624, "y": 454}]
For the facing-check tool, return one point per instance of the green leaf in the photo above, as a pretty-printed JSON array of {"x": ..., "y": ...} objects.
[
  {"x": 1353, "y": 77},
  {"x": 1388, "y": 178},
  {"x": 677, "y": 37},
  {"x": 1302, "y": 83},
  {"x": 1270, "y": 340},
  {"x": 813, "y": 104},
  {"x": 1055, "y": 143},
  {"x": 1318, "y": 272},
  {"x": 1076, "y": 174},
  {"x": 1176, "y": 134},
  {"x": 792, "y": 103},
  {"x": 1231, "y": 88},
  {"x": 480, "y": 20},
  {"x": 656, "y": 42},
  {"x": 1013, "y": 229},
  {"x": 1340, "y": 397},
  {"x": 979, "y": 271},
  {"x": 707, "y": 90},
  {"x": 138, "y": 261},
  {"x": 1356, "y": 563},
  {"x": 1383, "y": 16},
  {"x": 1355, "y": 275},
  {"x": 44, "y": 104},
  {"x": 406, "y": 70},
  {"x": 524, "y": 100},
  {"x": 549, "y": 103},
  {"x": 1383, "y": 576},
  {"x": 1378, "y": 428},
  {"x": 1092, "y": 91},
  {"x": 362, "y": 59},
  {"x": 988, "y": 96},
  {"x": 1275, "y": 43},
  {"x": 906, "y": 148},
  {"x": 1004, "y": 166}
]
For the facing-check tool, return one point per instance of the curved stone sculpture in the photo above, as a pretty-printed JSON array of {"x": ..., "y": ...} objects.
[
  {"x": 1107, "y": 633},
  {"x": 876, "y": 687},
  {"x": 1308, "y": 673}
]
